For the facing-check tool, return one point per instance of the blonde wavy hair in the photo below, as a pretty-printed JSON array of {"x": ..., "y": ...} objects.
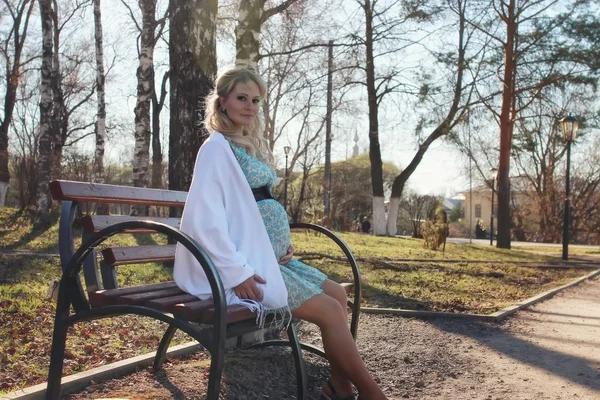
[{"x": 252, "y": 138}]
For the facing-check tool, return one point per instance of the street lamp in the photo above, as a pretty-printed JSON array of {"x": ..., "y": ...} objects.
[
  {"x": 569, "y": 127},
  {"x": 494, "y": 175},
  {"x": 286, "y": 150}
]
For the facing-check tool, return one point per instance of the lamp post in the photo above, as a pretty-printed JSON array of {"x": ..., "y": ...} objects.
[
  {"x": 494, "y": 172},
  {"x": 286, "y": 150},
  {"x": 569, "y": 127}
]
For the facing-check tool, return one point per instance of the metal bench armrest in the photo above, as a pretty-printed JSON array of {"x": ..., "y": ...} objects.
[
  {"x": 355, "y": 270},
  {"x": 218, "y": 293}
]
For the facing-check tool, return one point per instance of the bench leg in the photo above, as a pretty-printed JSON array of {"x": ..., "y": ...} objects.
[
  {"x": 301, "y": 377},
  {"x": 161, "y": 352},
  {"x": 57, "y": 352},
  {"x": 217, "y": 360}
]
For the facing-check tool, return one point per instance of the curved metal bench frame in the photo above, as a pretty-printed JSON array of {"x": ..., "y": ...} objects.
[{"x": 71, "y": 293}]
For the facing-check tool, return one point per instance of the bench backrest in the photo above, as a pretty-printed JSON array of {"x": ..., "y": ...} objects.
[
  {"x": 103, "y": 276},
  {"x": 102, "y": 193},
  {"x": 76, "y": 194}
]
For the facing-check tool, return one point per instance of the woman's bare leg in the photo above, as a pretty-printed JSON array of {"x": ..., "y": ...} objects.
[
  {"x": 340, "y": 382},
  {"x": 337, "y": 291},
  {"x": 342, "y": 354}
]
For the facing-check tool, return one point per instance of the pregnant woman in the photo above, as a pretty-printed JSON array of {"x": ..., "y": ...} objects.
[{"x": 232, "y": 215}]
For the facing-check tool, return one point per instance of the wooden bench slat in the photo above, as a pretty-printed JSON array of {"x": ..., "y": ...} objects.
[
  {"x": 103, "y": 193},
  {"x": 138, "y": 254},
  {"x": 104, "y": 297},
  {"x": 95, "y": 223},
  {"x": 167, "y": 297},
  {"x": 141, "y": 298},
  {"x": 167, "y": 304},
  {"x": 234, "y": 314},
  {"x": 192, "y": 310},
  {"x": 170, "y": 299},
  {"x": 203, "y": 311}
]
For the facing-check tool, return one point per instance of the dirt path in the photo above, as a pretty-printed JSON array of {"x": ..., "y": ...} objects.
[{"x": 551, "y": 351}]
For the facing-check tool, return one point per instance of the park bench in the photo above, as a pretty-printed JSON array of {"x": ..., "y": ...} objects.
[{"x": 210, "y": 322}]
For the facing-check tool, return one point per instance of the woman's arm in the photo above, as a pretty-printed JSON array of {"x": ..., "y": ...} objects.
[
  {"x": 288, "y": 256},
  {"x": 205, "y": 215}
]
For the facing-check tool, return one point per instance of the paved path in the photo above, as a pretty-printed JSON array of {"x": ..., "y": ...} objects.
[
  {"x": 550, "y": 351},
  {"x": 486, "y": 242}
]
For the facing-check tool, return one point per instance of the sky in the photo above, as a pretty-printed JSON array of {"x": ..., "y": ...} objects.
[{"x": 441, "y": 172}]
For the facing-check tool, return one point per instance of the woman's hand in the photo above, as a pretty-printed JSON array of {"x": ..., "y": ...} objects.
[
  {"x": 248, "y": 288},
  {"x": 288, "y": 256}
]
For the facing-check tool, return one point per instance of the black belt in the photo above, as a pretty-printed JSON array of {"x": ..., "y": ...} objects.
[{"x": 262, "y": 193}]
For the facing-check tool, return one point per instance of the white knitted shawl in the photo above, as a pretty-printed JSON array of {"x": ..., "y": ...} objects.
[{"x": 221, "y": 214}]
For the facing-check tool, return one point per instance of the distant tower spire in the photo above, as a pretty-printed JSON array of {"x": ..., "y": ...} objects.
[{"x": 355, "y": 150}]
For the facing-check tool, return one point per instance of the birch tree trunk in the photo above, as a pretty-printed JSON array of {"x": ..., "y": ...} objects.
[
  {"x": 60, "y": 120},
  {"x": 251, "y": 16},
  {"x": 147, "y": 120},
  {"x": 145, "y": 91},
  {"x": 100, "y": 82},
  {"x": 46, "y": 117},
  {"x": 12, "y": 76},
  {"x": 101, "y": 118},
  {"x": 247, "y": 33},
  {"x": 192, "y": 53},
  {"x": 157, "y": 156}
]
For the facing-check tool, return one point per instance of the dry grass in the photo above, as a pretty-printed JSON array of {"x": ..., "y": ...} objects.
[{"x": 447, "y": 281}]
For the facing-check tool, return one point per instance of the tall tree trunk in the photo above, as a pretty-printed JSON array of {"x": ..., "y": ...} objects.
[
  {"x": 192, "y": 50},
  {"x": 43, "y": 202},
  {"x": 441, "y": 130},
  {"x": 506, "y": 128},
  {"x": 157, "y": 156},
  {"x": 145, "y": 92},
  {"x": 247, "y": 33},
  {"x": 13, "y": 77},
  {"x": 60, "y": 120},
  {"x": 251, "y": 16},
  {"x": 379, "y": 225},
  {"x": 101, "y": 120}
]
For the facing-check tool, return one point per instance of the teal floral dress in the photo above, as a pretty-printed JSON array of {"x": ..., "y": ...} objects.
[{"x": 302, "y": 281}]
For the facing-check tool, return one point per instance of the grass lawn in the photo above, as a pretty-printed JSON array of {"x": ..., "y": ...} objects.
[
  {"x": 400, "y": 273},
  {"x": 397, "y": 273}
]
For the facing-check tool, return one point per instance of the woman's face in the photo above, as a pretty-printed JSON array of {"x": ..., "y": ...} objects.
[{"x": 242, "y": 104}]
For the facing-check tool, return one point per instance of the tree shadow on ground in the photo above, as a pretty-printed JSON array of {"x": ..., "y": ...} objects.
[
  {"x": 385, "y": 299},
  {"x": 247, "y": 374},
  {"x": 573, "y": 368},
  {"x": 28, "y": 268},
  {"x": 382, "y": 298},
  {"x": 486, "y": 253},
  {"x": 163, "y": 380},
  {"x": 33, "y": 234},
  {"x": 252, "y": 374},
  {"x": 563, "y": 314}
]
